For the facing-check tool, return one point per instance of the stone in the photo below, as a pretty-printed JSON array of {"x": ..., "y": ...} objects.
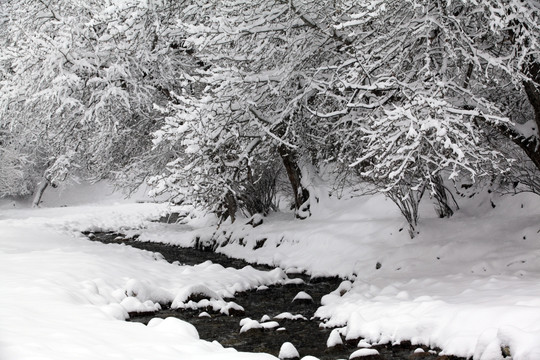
[
  {"x": 303, "y": 296},
  {"x": 366, "y": 354},
  {"x": 288, "y": 352}
]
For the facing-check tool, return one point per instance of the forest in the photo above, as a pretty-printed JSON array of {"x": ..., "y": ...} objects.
[{"x": 238, "y": 107}]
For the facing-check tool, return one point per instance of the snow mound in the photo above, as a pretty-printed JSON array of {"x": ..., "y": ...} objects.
[
  {"x": 334, "y": 339},
  {"x": 303, "y": 296},
  {"x": 364, "y": 353},
  {"x": 295, "y": 281},
  {"x": 192, "y": 291},
  {"x": 288, "y": 351},
  {"x": 174, "y": 326},
  {"x": 363, "y": 344},
  {"x": 289, "y": 316},
  {"x": 132, "y": 304},
  {"x": 248, "y": 324}
]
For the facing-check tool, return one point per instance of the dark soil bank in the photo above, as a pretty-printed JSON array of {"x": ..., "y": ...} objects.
[{"x": 305, "y": 335}]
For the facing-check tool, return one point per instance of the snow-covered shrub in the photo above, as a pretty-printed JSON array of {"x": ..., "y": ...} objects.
[
  {"x": 14, "y": 176},
  {"x": 443, "y": 198},
  {"x": 258, "y": 193},
  {"x": 408, "y": 198},
  {"x": 79, "y": 80}
]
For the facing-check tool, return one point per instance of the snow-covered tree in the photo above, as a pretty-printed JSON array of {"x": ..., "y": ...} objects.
[
  {"x": 14, "y": 170},
  {"x": 422, "y": 85},
  {"x": 81, "y": 79},
  {"x": 257, "y": 59},
  {"x": 208, "y": 96}
]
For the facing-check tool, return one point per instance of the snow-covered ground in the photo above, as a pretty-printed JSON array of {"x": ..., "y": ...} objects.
[
  {"x": 64, "y": 297},
  {"x": 468, "y": 285}
]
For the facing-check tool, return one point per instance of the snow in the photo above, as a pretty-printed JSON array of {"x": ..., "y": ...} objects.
[
  {"x": 65, "y": 297},
  {"x": 289, "y": 316},
  {"x": 250, "y": 324},
  {"x": 302, "y": 295},
  {"x": 363, "y": 352},
  {"x": 334, "y": 339},
  {"x": 288, "y": 351},
  {"x": 295, "y": 281},
  {"x": 468, "y": 285},
  {"x": 363, "y": 344},
  {"x": 459, "y": 285}
]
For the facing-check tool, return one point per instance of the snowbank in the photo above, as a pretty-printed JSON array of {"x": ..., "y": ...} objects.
[
  {"x": 62, "y": 296},
  {"x": 468, "y": 284}
]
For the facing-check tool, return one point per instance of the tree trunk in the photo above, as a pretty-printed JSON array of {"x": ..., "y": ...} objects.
[
  {"x": 231, "y": 205},
  {"x": 290, "y": 161},
  {"x": 531, "y": 145},
  {"x": 442, "y": 201},
  {"x": 40, "y": 189},
  {"x": 408, "y": 201},
  {"x": 301, "y": 194}
]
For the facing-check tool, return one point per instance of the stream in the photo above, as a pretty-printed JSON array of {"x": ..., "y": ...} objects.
[{"x": 304, "y": 334}]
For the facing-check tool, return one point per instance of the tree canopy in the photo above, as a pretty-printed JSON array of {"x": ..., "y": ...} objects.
[{"x": 209, "y": 100}]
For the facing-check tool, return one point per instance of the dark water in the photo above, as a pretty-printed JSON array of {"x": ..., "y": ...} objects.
[{"x": 305, "y": 335}]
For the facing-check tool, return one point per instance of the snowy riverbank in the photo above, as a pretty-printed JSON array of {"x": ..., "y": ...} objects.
[
  {"x": 468, "y": 285},
  {"x": 62, "y": 296}
]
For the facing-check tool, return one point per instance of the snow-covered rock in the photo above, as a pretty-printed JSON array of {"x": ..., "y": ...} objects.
[
  {"x": 334, "y": 339},
  {"x": 295, "y": 281},
  {"x": 289, "y": 316},
  {"x": 288, "y": 351},
  {"x": 248, "y": 324},
  {"x": 303, "y": 296},
  {"x": 132, "y": 304},
  {"x": 232, "y": 308},
  {"x": 363, "y": 344},
  {"x": 270, "y": 325},
  {"x": 365, "y": 354}
]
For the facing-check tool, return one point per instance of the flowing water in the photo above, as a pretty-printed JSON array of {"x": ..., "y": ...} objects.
[{"x": 304, "y": 334}]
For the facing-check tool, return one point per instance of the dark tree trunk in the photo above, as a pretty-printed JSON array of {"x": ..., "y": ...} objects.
[
  {"x": 290, "y": 161},
  {"x": 230, "y": 207},
  {"x": 442, "y": 201},
  {"x": 40, "y": 189},
  {"x": 531, "y": 145}
]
